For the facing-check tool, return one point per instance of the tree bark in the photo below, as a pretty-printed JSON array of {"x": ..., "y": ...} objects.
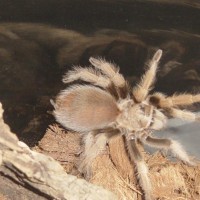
[{"x": 26, "y": 174}]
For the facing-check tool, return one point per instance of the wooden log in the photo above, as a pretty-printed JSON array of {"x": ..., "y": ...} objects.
[{"x": 40, "y": 174}]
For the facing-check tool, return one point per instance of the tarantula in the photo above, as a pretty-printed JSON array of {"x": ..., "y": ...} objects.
[{"x": 107, "y": 106}]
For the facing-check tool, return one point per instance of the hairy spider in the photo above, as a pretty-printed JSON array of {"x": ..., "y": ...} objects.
[{"x": 108, "y": 106}]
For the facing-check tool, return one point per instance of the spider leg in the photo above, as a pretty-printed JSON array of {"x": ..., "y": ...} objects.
[
  {"x": 112, "y": 72},
  {"x": 141, "y": 167},
  {"x": 95, "y": 77},
  {"x": 95, "y": 142},
  {"x": 141, "y": 91},
  {"x": 172, "y": 145},
  {"x": 86, "y": 74},
  {"x": 175, "y": 100},
  {"x": 183, "y": 114},
  {"x": 168, "y": 103},
  {"x": 118, "y": 92},
  {"x": 93, "y": 147}
]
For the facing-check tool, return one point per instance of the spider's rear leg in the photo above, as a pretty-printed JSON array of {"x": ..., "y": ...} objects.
[
  {"x": 94, "y": 143},
  {"x": 111, "y": 71},
  {"x": 172, "y": 145},
  {"x": 96, "y": 78},
  {"x": 86, "y": 74},
  {"x": 141, "y": 167}
]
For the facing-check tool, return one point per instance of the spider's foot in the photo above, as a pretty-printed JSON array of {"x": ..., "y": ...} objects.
[
  {"x": 85, "y": 167},
  {"x": 157, "y": 55},
  {"x": 192, "y": 162}
]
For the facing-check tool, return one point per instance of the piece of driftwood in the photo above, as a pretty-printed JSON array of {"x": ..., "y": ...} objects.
[
  {"x": 113, "y": 170},
  {"x": 26, "y": 174}
]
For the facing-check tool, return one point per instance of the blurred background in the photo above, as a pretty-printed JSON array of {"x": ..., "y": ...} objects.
[{"x": 41, "y": 40}]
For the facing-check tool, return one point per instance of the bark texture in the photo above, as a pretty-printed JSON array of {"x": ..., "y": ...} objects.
[{"x": 27, "y": 174}]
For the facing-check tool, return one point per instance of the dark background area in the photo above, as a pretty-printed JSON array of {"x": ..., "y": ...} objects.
[
  {"x": 90, "y": 15},
  {"x": 33, "y": 58}
]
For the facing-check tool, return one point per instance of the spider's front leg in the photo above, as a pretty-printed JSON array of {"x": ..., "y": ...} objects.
[
  {"x": 94, "y": 143},
  {"x": 141, "y": 91},
  {"x": 141, "y": 167},
  {"x": 172, "y": 145}
]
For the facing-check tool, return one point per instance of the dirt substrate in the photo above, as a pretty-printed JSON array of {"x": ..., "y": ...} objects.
[{"x": 113, "y": 170}]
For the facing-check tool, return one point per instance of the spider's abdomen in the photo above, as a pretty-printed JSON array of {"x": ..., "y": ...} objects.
[{"x": 85, "y": 108}]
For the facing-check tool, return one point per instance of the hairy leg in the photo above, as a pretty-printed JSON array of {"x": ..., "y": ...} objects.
[
  {"x": 95, "y": 142},
  {"x": 110, "y": 70},
  {"x": 141, "y": 91},
  {"x": 86, "y": 74},
  {"x": 175, "y": 100},
  {"x": 93, "y": 76},
  {"x": 141, "y": 167},
  {"x": 92, "y": 150},
  {"x": 183, "y": 114},
  {"x": 172, "y": 145}
]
